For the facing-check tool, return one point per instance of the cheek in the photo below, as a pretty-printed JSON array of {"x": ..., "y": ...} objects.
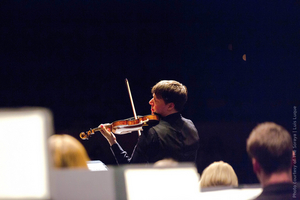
[{"x": 156, "y": 107}]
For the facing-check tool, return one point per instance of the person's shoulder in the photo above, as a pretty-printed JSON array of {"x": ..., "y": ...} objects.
[
  {"x": 150, "y": 130},
  {"x": 280, "y": 191},
  {"x": 187, "y": 120}
]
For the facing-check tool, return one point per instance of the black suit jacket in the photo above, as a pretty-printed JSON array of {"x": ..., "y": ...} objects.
[
  {"x": 280, "y": 191},
  {"x": 173, "y": 137}
]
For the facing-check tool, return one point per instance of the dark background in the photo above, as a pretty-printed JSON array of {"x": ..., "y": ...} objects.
[{"x": 73, "y": 57}]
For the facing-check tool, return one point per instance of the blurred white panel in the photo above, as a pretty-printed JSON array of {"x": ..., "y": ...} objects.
[
  {"x": 165, "y": 183},
  {"x": 232, "y": 194},
  {"x": 96, "y": 165},
  {"x": 24, "y": 166},
  {"x": 80, "y": 184}
]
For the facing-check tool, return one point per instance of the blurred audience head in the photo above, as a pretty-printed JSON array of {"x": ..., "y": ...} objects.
[
  {"x": 167, "y": 162},
  {"x": 270, "y": 148},
  {"x": 67, "y": 152},
  {"x": 218, "y": 174}
]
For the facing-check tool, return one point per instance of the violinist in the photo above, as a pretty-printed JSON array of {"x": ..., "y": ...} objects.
[{"x": 172, "y": 137}]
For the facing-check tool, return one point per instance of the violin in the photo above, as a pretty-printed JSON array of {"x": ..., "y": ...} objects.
[
  {"x": 121, "y": 127},
  {"x": 124, "y": 126}
]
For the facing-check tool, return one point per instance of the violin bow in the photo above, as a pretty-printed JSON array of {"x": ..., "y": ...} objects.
[{"x": 131, "y": 101}]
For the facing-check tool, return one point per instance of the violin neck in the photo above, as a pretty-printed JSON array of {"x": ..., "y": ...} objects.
[{"x": 107, "y": 126}]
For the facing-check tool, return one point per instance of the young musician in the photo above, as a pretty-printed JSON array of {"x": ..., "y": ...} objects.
[{"x": 173, "y": 137}]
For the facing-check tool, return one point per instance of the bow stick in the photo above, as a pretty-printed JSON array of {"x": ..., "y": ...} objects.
[{"x": 132, "y": 104}]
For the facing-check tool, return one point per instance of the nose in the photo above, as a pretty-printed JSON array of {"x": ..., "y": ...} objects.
[{"x": 151, "y": 102}]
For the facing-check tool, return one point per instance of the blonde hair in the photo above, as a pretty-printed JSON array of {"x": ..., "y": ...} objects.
[
  {"x": 67, "y": 152},
  {"x": 218, "y": 174}
]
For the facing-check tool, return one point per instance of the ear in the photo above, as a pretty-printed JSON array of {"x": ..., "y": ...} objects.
[
  {"x": 171, "y": 106},
  {"x": 293, "y": 158},
  {"x": 256, "y": 166}
]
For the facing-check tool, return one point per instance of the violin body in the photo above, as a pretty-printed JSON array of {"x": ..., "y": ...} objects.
[{"x": 121, "y": 127}]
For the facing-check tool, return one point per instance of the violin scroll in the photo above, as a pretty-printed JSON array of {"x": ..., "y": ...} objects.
[
  {"x": 86, "y": 135},
  {"x": 83, "y": 136}
]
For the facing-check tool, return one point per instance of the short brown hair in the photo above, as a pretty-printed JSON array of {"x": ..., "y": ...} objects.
[
  {"x": 271, "y": 145},
  {"x": 171, "y": 92}
]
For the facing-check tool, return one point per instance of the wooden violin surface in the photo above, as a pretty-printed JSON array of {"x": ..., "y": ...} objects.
[{"x": 123, "y": 126}]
